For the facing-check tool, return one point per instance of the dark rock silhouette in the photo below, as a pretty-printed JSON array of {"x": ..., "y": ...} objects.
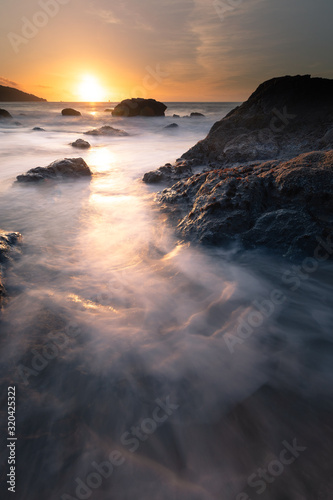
[
  {"x": 9, "y": 94},
  {"x": 57, "y": 170},
  {"x": 5, "y": 114},
  {"x": 139, "y": 107},
  {"x": 81, "y": 144},
  {"x": 38, "y": 129},
  {"x": 70, "y": 112},
  {"x": 284, "y": 117},
  {"x": 107, "y": 130},
  {"x": 196, "y": 115}
]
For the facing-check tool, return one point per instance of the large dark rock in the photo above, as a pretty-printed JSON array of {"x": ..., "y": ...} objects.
[
  {"x": 107, "y": 130},
  {"x": 169, "y": 173},
  {"x": 5, "y": 114},
  {"x": 70, "y": 112},
  {"x": 7, "y": 242},
  {"x": 59, "y": 169},
  {"x": 284, "y": 117},
  {"x": 139, "y": 107},
  {"x": 283, "y": 205}
]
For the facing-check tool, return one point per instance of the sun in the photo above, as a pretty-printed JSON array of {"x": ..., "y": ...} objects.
[{"x": 90, "y": 90}]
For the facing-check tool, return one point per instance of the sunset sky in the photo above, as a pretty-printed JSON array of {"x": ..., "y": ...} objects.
[{"x": 172, "y": 50}]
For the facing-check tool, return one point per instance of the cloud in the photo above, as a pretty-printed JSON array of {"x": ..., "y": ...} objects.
[
  {"x": 106, "y": 15},
  {"x": 8, "y": 83}
]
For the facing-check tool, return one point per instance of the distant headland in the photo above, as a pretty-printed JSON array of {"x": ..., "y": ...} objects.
[{"x": 9, "y": 94}]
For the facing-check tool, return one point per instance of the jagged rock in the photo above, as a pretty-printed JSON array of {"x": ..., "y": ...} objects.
[
  {"x": 70, "y": 112},
  {"x": 169, "y": 173},
  {"x": 7, "y": 241},
  {"x": 81, "y": 144},
  {"x": 283, "y": 118},
  {"x": 172, "y": 125},
  {"x": 139, "y": 107},
  {"x": 283, "y": 205},
  {"x": 107, "y": 130},
  {"x": 5, "y": 114},
  {"x": 59, "y": 169}
]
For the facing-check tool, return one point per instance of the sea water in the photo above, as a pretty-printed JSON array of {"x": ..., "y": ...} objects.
[{"x": 146, "y": 367}]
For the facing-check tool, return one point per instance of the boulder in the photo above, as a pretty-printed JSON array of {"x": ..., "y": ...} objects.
[
  {"x": 60, "y": 169},
  {"x": 5, "y": 114},
  {"x": 70, "y": 112},
  {"x": 175, "y": 116},
  {"x": 81, "y": 144},
  {"x": 196, "y": 115},
  {"x": 107, "y": 130},
  {"x": 38, "y": 129},
  {"x": 283, "y": 205},
  {"x": 7, "y": 242},
  {"x": 283, "y": 118},
  {"x": 169, "y": 173},
  {"x": 139, "y": 107}
]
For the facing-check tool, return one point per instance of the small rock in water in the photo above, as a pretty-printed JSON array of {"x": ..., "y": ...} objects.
[
  {"x": 175, "y": 116},
  {"x": 70, "y": 112},
  {"x": 38, "y": 129},
  {"x": 5, "y": 114},
  {"x": 108, "y": 110},
  {"x": 7, "y": 241},
  {"x": 194, "y": 115},
  {"x": 107, "y": 130},
  {"x": 80, "y": 143},
  {"x": 59, "y": 169},
  {"x": 172, "y": 125}
]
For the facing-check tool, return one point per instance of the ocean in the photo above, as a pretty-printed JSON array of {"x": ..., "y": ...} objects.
[{"x": 146, "y": 367}]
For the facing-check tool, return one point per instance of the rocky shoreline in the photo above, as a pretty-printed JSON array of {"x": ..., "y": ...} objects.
[
  {"x": 266, "y": 172},
  {"x": 7, "y": 243}
]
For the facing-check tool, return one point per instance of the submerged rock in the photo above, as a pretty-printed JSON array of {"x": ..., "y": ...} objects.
[
  {"x": 5, "y": 114},
  {"x": 7, "y": 242},
  {"x": 81, "y": 144},
  {"x": 59, "y": 169},
  {"x": 139, "y": 107},
  {"x": 70, "y": 112},
  {"x": 107, "y": 130},
  {"x": 283, "y": 205},
  {"x": 172, "y": 125}
]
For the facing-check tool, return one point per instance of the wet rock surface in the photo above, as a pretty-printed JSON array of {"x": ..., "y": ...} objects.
[
  {"x": 57, "y": 170},
  {"x": 286, "y": 206},
  {"x": 139, "y": 107},
  {"x": 7, "y": 242},
  {"x": 267, "y": 172}
]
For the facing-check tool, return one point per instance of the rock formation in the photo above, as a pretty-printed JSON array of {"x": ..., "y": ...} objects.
[
  {"x": 139, "y": 107},
  {"x": 60, "y": 169}
]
